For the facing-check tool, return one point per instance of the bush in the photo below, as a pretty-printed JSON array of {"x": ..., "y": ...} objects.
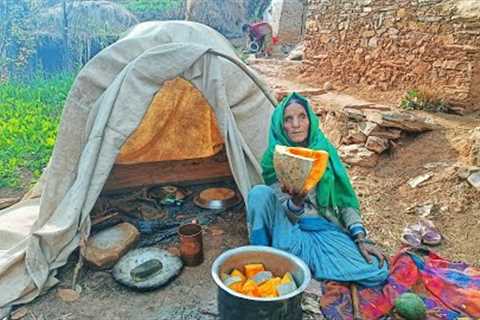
[
  {"x": 424, "y": 100},
  {"x": 29, "y": 117},
  {"x": 144, "y": 6}
]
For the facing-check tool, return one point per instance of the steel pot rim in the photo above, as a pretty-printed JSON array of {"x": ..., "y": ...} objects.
[{"x": 221, "y": 258}]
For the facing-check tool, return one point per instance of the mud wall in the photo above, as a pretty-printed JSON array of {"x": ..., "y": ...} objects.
[
  {"x": 288, "y": 20},
  {"x": 398, "y": 45}
]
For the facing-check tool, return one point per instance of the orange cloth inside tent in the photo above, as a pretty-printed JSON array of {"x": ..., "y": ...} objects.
[{"x": 179, "y": 125}]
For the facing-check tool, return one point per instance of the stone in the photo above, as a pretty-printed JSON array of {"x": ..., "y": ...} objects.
[
  {"x": 105, "y": 248},
  {"x": 424, "y": 210},
  {"x": 450, "y": 64},
  {"x": 406, "y": 121},
  {"x": 474, "y": 180},
  {"x": 377, "y": 144},
  {"x": 67, "y": 295},
  {"x": 386, "y": 133},
  {"x": 297, "y": 53},
  {"x": 171, "y": 266},
  {"x": 475, "y": 147},
  {"x": 373, "y": 42},
  {"x": 367, "y": 127},
  {"x": 419, "y": 180},
  {"x": 357, "y": 154},
  {"x": 402, "y": 12},
  {"x": 335, "y": 127},
  {"x": 465, "y": 172},
  {"x": 327, "y": 86},
  {"x": 354, "y": 114},
  {"x": 355, "y": 137},
  {"x": 368, "y": 33}
]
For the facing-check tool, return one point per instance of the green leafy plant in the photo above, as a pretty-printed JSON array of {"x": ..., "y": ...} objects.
[
  {"x": 142, "y": 6},
  {"x": 29, "y": 117},
  {"x": 424, "y": 100}
]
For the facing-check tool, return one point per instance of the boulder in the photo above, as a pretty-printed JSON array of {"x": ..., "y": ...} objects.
[
  {"x": 406, "y": 121},
  {"x": 354, "y": 137},
  {"x": 357, "y": 154},
  {"x": 297, "y": 53},
  {"x": 377, "y": 144},
  {"x": 335, "y": 126},
  {"x": 105, "y": 248},
  {"x": 368, "y": 127},
  {"x": 387, "y": 133},
  {"x": 373, "y": 129}
]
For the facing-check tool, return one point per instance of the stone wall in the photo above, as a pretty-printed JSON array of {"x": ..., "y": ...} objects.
[
  {"x": 288, "y": 20},
  {"x": 390, "y": 45}
]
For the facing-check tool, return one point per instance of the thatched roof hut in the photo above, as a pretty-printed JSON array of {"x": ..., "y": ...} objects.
[{"x": 89, "y": 27}]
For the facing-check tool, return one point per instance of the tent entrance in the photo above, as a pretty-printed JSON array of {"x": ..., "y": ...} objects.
[{"x": 177, "y": 141}]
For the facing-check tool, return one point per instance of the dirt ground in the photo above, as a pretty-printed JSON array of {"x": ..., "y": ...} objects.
[{"x": 386, "y": 206}]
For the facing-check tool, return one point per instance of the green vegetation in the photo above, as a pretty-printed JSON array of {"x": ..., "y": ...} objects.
[
  {"x": 424, "y": 100},
  {"x": 29, "y": 117},
  {"x": 143, "y": 6}
]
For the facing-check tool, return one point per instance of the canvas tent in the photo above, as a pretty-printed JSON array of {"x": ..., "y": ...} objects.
[{"x": 114, "y": 101}]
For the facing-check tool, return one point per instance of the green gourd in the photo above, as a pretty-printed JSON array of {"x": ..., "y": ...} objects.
[{"x": 410, "y": 306}]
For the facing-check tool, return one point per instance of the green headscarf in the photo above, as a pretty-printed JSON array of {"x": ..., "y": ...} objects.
[{"x": 334, "y": 189}]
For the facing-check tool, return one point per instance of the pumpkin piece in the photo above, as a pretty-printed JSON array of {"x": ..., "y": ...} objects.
[
  {"x": 234, "y": 283},
  {"x": 286, "y": 288},
  {"x": 238, "y": 273},
  {"x": 252, "y": 269},
  {"x": 268, "y": 289},
  {"x": 299, "y": 169},
  {"x": 237, "y": 287},
  {"x": 287, "y": 278},
  {"x": 250, "y": 288},
  {"x": 262, "y": 277}
]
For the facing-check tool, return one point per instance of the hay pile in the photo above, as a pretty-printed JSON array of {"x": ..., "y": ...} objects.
[
  {"x": 91, "y": 26},
  {"x": 225, "y": 16}
]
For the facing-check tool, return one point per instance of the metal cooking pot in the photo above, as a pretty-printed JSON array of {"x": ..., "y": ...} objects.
[{"x": 235, "y": 306}]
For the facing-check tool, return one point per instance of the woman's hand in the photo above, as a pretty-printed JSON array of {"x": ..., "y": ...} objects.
[
  {"x": 367, "y": 250},
  {"x": 297, "y": 197}
]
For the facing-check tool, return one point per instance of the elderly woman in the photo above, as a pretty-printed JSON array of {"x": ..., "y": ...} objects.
[{"x": 323, "y": 227}]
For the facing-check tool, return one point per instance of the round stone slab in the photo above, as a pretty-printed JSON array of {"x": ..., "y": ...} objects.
[{"x": 167, "y": 267}]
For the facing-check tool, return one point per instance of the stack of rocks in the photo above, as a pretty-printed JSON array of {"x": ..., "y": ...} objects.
[{"x": 362, "y": 133}]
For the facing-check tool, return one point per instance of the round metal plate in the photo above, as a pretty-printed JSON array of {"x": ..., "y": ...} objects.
[{"x": 217, "y": 198}]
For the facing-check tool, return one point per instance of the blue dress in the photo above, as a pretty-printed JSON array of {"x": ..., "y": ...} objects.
[{"x": 326, "y": 248}]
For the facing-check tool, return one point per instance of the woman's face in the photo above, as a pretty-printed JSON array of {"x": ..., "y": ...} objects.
[{"x": 296, "y": 123}]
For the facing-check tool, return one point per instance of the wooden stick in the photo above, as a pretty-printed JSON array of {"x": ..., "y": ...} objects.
[
  {"x": 104, "y": 218},
  {"x": 77, "y": 269},
  {"x": 357, "y": 315}
]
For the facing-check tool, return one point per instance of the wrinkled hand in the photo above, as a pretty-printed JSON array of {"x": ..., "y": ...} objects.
[
  {"x": 367, "y": 250},
  {"x": 297, "y": 197}
]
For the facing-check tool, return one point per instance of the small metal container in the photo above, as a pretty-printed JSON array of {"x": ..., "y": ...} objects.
[
  {"x": 235, "y": 306},
  {"x": 191, "y": 244}
]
